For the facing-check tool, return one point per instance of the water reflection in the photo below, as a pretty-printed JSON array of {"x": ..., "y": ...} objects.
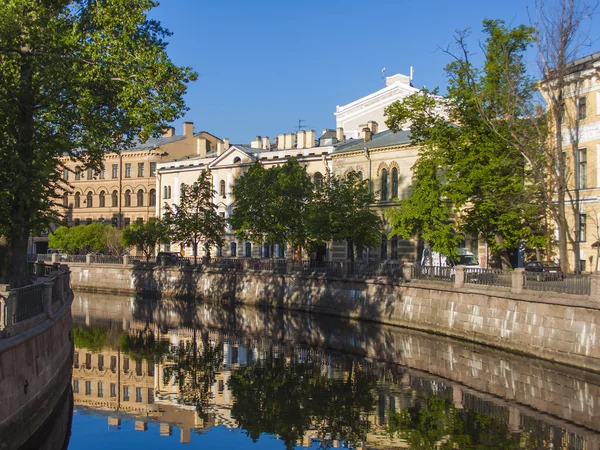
[{"x": 317, "y": 382}]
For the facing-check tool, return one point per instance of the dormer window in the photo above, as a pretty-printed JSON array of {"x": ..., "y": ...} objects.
[{"x": 237, "y": 159}]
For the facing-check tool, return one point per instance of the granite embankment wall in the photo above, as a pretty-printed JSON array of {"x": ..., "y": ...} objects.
[
  {"x": 35, "y": 378},
  {"x": 558, "y": 327}
]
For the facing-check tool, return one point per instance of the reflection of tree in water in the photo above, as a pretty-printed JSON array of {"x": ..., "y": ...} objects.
[
  {"x": 194, "y": 372},
  {"x": 144, "y": 345},
  {"x": 96, "y": 338},
  {"x": 436, "y": 423},
  {"x": 290, "y": 398}
]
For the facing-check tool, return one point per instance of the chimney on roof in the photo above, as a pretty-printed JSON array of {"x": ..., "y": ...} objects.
[
  {"x": 202, "y": 147},
  {"x": 339, "y": 134},
  {"x": 373, "y": 126},
  {"x": 310, "y": 139},
  {"x": 219, "y": 148},
  {"x": 188, "y": 129},
  {"x": 266, "y": 143},
  {"x": 225, "y": 143},
  {"x": 289, "y": 140},
  {"x": 301, "y": 138},
  {"x": 169, "y": 131},
  {"x": 365, "y": 134},
  {"x": 256, "y": 143},
  {"x": 281, "y": 142}
]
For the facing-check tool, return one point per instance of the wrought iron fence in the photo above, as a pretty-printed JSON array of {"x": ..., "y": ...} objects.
[
  {"x": 107, "y": 259},
  {"x": 488, "y": 277},
  {"x": 566, "y": 283},
  {"x": 73, "y": 258},
  {"x": 43, "y": 257},
  {"x": 437, "y": 273},
  {"x": 29, "y": 302}
]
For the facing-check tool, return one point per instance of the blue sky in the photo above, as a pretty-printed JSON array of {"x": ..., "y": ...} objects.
[{"x": 264, "y": 64}]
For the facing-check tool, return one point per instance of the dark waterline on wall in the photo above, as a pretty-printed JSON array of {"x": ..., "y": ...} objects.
[{"x": 160, "y": 373}]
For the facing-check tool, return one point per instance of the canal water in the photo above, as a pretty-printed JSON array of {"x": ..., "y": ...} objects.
[{"x": 159, "y": 374}]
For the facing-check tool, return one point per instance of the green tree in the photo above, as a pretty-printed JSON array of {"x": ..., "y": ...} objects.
[
  {"x": 271, "y": 205},
  {"x": 145, "y": 235},
  {"x": 78, "y": 78},
  {"x": 341, "y": 211},
  {"x": 79, "y": 239},
  {"x": 195, "y": 219},
  {"x": 467, "y": 180},
  {"x": 114, "y": 243}
]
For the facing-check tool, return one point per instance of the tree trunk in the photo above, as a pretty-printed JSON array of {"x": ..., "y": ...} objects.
[
  {"x": 17, "y": 257},
  {"x": 504, "y": 258},
  {"x": 195, "y": 246}
]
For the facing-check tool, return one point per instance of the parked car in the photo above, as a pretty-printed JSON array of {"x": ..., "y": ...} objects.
[
  {"x": 171, "y": 259},
  {"x": 543, "y": 271}
]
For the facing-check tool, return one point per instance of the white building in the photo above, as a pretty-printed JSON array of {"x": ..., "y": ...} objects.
[{"x": 354, "y": 116}]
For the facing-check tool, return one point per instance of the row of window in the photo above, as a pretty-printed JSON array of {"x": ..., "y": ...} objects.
[
  {"x": 89, "y": 199},
  {"x": 246, "y": 251},
  {"x": 113, "y": 391},
  {"x": 113, "y": 364},
  {"x": 91, "y": 174}
]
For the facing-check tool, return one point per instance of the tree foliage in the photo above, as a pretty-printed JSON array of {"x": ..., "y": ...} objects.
[
  {"x": 271, "y": 204},
  {"x": 145, "y": 235},
  {"x": 79, "y": 239},
  {"x": 341, "y": 211},
  {"x": 195, "y": 219},
  {"x": 78, "y": 78},
  {"x": 467, "y": 179}
]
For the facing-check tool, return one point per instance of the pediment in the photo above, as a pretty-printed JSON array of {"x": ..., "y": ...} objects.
[{"x": 230, "y": 158}]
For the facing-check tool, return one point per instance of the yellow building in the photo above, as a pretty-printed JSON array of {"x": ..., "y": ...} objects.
[
  {"x": 125, "y": 189},
  {"x": 581, "y": 147}
]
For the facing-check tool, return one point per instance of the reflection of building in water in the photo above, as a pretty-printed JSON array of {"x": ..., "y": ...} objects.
[{"x": 114, "y": 381}]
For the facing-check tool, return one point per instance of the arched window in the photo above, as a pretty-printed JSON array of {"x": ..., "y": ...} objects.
[
  {"x": 152, "y": 198},
  {"x": 236, "y": 160},
  {"x": 395, "y": 182},
  {"x": 248, "y": 249},
  {"x": 140, "y": 197},
  {"x": 102, "y": 199},
  {"x": 115, "y": 199},
  {"x": 127, "y": 197},
  {"x": 395, "y": 247},
  {"x": 233, "y": 249},
  {"x": 66, "y": 199},
  {"x": 77, "y": 200},
  {"x": 360, "y": 175},
  {"x": 89, "y": 200},
  {"x": 222, "y": 188},
  {"x": 384, "y": 184},
  {"x": 318, "y": 179}
]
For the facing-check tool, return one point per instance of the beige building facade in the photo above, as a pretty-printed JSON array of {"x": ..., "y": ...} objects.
[
  {"x": 581, "y": 147},
  {"x": 125, "y": 190}
]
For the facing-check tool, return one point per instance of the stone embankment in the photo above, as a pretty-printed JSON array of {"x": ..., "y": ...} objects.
[
  {"x": 553, "y": 326},
  {"x": 36, "y": 355}
]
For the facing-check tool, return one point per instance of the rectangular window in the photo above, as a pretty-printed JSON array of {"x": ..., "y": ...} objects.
[
  {"x": 115, "y": 171},
  {"x": 138, "y": 395},
  {"x": 395, "y": 247},
  {"x": 100, "y": 362},
  {"x": 76, "y": 386},
  {"x": 150, "y": 395},
  {"x": 102, "y": 174},
  {"x": 125, "y": 365},
  {"x": 582, "y": 227},
  {"x": 76, "y": 360},
  {"x": 140, "y": 169},
  {"x": 581, "y": 108},
  {"x": 138, "y": 368},
  {"x": 88, "y": 388},
  {"x": 384, "y": 246},
  {"x": 221, "y": 386},
  {"x": 113, "y": 390},
  {"x": 90, "y": 174},
  {"x": 125, "y": 393},
  {"x": 582, "y": 156},
  {"x": 150, "y": 370},
  {"x": 66, "y": 174},
  {"x": 88, "y": 360},
  {"x": 100, "y": 389},
  {"x": 127, "y": 170},
  {"x": 152, "y": 169},
  {"x": 113, "y": 364},
  {"x": 77, "y": 173}
]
